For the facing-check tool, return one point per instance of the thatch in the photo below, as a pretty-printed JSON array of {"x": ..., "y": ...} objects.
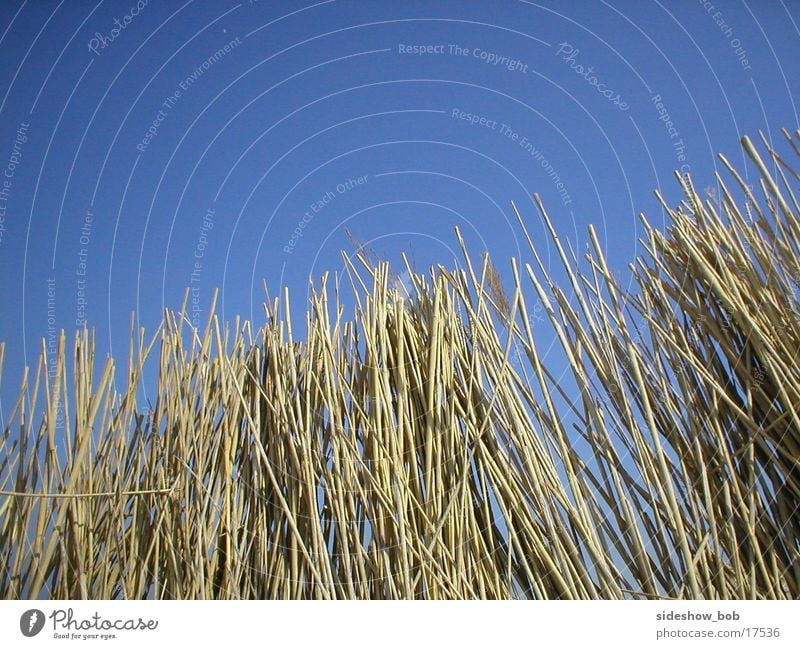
[{"x": 426, "y": 448}]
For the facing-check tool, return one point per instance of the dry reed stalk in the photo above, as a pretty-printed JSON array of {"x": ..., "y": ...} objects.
[{"x": 426, "y": 449}]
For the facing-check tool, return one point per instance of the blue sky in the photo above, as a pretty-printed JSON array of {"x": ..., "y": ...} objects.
[{"x": 153, "y": 146}]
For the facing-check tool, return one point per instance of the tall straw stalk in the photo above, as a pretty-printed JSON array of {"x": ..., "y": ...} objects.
[{"x": 425, "y": 448}]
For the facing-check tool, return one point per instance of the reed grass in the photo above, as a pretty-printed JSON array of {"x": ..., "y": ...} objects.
[{"x": 429, "y": 447}]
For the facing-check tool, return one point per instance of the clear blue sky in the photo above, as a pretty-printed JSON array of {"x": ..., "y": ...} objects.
[{"x": 153, "y": 146}]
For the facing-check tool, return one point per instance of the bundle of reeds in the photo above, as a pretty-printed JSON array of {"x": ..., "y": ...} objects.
[{"x": 424, "y": 449}]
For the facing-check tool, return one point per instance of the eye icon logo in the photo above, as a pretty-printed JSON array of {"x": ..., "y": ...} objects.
[{"x": 31, "y": 622}]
